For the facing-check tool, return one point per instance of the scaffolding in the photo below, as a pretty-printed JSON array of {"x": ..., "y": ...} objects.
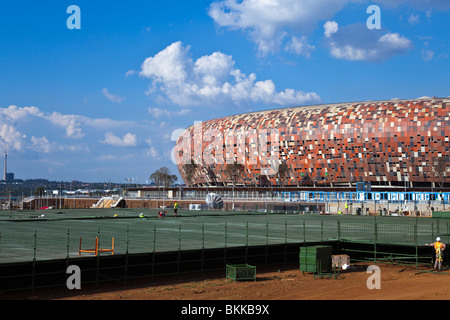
[{"x": 96, "y": 250}]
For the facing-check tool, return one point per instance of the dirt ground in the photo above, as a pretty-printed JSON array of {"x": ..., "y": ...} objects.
[{"x": 289, "y": 283}]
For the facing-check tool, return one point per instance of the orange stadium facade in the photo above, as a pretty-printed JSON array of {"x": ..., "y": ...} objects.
[{"x": 387, "y": 143}]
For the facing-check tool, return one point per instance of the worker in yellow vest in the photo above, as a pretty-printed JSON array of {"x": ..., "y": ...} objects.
[
  {"x": 175, "y": 209},
  {"x": 346, "y": 208},
  {"x": 439, "y": 248}
]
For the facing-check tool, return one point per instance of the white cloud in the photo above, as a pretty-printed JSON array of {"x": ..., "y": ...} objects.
[
  {"x": 151, "y": 151},
  {"x": 40, "y": 125},
  {"x": 71, "y": 122},
  {"x": 211, "y": 80},
  {"x": 10, "y": 137},
  {"x": 112, "y": 97},
  {"x": 357, "y": 42},
  {"x": 331, "y": 27},
  {"x": 413, "y": 19},
  {"x": 158, "y": 113},
  {"x": 300, "y": 46},
  {"x": 270, "y": 22},
  {"x": 130, "y": 73},
  {"x": 74, "y": 124},
  {"x": 214, "y": 69},
  {"x": 273, "y": 25},
  {"x": 427, "y": 55},
  {"x": 128, "y": 140},
  {"x": 105, "y": 123},
  {"x": 40, "y": 144},
  {"x": 15, "y": 113},
  {"x": 395, "y": 41},
  {"x": 168, "y": 65},
  {"x": 107, "y": 157}
]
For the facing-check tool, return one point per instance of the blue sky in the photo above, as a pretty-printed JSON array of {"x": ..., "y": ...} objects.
[{"x": 102, "y": 103}]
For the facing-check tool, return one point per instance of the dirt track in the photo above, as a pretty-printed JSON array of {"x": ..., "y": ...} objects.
[{"x": 397, "y": 283}]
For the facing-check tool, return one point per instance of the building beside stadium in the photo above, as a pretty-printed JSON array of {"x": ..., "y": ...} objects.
[{"x": 386, "y": 143}]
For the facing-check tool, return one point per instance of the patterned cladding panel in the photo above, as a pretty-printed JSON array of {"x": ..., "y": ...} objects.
[{"x": 380, "y": 142}]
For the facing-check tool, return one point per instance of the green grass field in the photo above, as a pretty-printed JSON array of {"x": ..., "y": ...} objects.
[{"x": 54, "y": 234}]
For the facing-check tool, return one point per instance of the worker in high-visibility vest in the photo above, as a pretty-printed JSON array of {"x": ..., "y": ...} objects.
[
  {"x": 439, "y": 248},
  {"x": 346, "y": 208},
  {"x": 175, "y": 209}
]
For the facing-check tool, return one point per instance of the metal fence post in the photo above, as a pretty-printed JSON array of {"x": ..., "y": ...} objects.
[
  {"x": 375, "y": 239},
  {"x": 285, "y": 241},
  {"x": 68, "y": 244},
  {"x": 33, "y": 271},
  {"x": 97, "y": 275},
  {"x": 225, "y": 249},
  {"x": 339, "y": 230},
  {"x": 226, "y": 234},
  {"x": 179, "y": 249},
  {"x": 432, "y": 231},
  {"x": 126, "y": 254},
  {"x": 203, "y": 247},
  {"x": 246, "y": 242},
  {"x": 321, "y": 231},
  {"x": 267, "y": 242},
  {"x": 446, "y": 256},
  {"x": 127, "y": 239},
  {"x": 448, "y": 235},
  {"x": 285, "y": 232},
  {"x": 154, "y": 238},
  {"x": 154, "y": 252},
  {"x": 179, "y": 237},
  {"x": 416, "y": 244},
  {"x": 35, "y": 245},
  {"x": 203, "y": 236}
]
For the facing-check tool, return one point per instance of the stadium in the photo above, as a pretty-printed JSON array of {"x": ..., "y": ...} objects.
[{"x": 384, "y": 143}]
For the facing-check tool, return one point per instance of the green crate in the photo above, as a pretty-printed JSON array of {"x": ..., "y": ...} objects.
[
  {"x": 239, "y": 272},
  {"x": 316, "y": 259}
]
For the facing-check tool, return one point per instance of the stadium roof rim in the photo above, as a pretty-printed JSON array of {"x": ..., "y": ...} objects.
[{"x": 323, "y": 105}]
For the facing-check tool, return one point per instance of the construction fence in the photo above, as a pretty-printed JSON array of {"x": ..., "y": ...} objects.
[
  {"x": 60, "y": 235},
  {"x": 120, "y": 246}
]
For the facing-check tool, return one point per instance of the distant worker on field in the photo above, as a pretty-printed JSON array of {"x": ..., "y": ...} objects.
[
  {"x": 175, "y": 209},
  {"x": 346, "y": 208},
  {"x": 439, "y": 248}
]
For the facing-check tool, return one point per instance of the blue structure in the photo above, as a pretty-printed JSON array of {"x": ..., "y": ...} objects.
[{"x": 372, "y": 196}]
